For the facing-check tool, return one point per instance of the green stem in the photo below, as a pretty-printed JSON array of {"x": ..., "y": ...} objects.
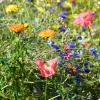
[
  {"x": 54, "y": 97},
  {"x": 46, "y": 90}
]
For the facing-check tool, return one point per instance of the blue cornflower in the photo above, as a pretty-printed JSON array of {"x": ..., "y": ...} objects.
[
  {"x": 55, "y": 47},
  {"x": 94, "y": 52},
  {"x": 63, "y": 14},
  {"x": 86, "y": 63},
  {"x": 93, "y": 49},
  {"x": 98, "y": 60},
  {"x": 51, "y": 43},
  {"x": 62, "y": 29},
  {"x": 72, "y": 45},
  {"x": 77, "y": 78},
  {"x": 60, "y": 2},
  {"x": 62, "y": 55},
  {"x": 75, "y": 54},
  {"x": 86, "y": 70},
  {"x": 94, "y": 14}
]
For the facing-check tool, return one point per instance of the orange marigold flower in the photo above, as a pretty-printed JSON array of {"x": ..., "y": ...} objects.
[
  {"x": 74, "y": 70},
  {"x": 17, "y": 27},
  {"x": 47, "y": 33}
]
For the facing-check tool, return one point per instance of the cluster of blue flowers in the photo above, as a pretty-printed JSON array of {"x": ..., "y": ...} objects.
[{"x": 84, "y": 67}]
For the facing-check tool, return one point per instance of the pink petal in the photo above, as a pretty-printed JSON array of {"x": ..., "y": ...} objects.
[{"x": 48, "y": 69}]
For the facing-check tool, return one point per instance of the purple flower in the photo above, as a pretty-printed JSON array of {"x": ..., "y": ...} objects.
[
  {"x": 55, "y": 47},
  {"x": 62, "y": 29},
  {"x": 51, "y": 10},
  {"x": 86, "y": 63},
  {"x": 60, "y": 2},
  {"x": 62, "y": 55},
  {"x": 50, "y": 43},
  {"x": 63, "y": 14},
  {"x": 75, "y": 54},
  {"x": 86, "y": 70},
  {"x": 72, "y": 45},
  {"x": 94, "y": 14},
  {"x": 77, "y": 78},
  {"x": 98, "y": 60},
  {"x": 94, "y": 52},
  {"x": 93, "y": 49}
]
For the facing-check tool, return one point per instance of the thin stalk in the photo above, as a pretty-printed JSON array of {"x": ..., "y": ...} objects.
[
  {"x": 54, "y": 97},
  {"x": 46, "y": 90}
]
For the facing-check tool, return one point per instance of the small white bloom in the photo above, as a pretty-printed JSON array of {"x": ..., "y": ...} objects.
[
  {"x": 98, "y": 2},
  {"x": 1, "y": 1}
]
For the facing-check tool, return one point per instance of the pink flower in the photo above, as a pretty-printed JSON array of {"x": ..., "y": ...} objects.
[
  {"x": 66, "y": 47},
  {"x": 68, "y": 55},
  {"x": 85, "y": 43},
  {"x": 85, "y": 18},
  {"x": 47, "y": 69}
]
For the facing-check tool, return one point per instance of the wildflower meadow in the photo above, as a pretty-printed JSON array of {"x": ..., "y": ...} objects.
[{"x": 49, "y": 49}]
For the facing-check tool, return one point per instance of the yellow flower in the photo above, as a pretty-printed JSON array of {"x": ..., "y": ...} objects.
[
  {"x": 11, "y": 8},
  {"x": 46, "y": 33}
]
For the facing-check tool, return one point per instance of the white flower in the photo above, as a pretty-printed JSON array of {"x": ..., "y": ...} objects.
[
  {"x": 1, "y": 1},
  {"x": 98, "y": 2}
]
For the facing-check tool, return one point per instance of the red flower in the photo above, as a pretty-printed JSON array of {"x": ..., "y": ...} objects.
[
  {"x": 85, "y": 18},
  {"x": 68, "y": 55},
  {"x": 74, "y": 2},
  {"x": 47, "y": 69},
  {"x": 66, "y": 47}
]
